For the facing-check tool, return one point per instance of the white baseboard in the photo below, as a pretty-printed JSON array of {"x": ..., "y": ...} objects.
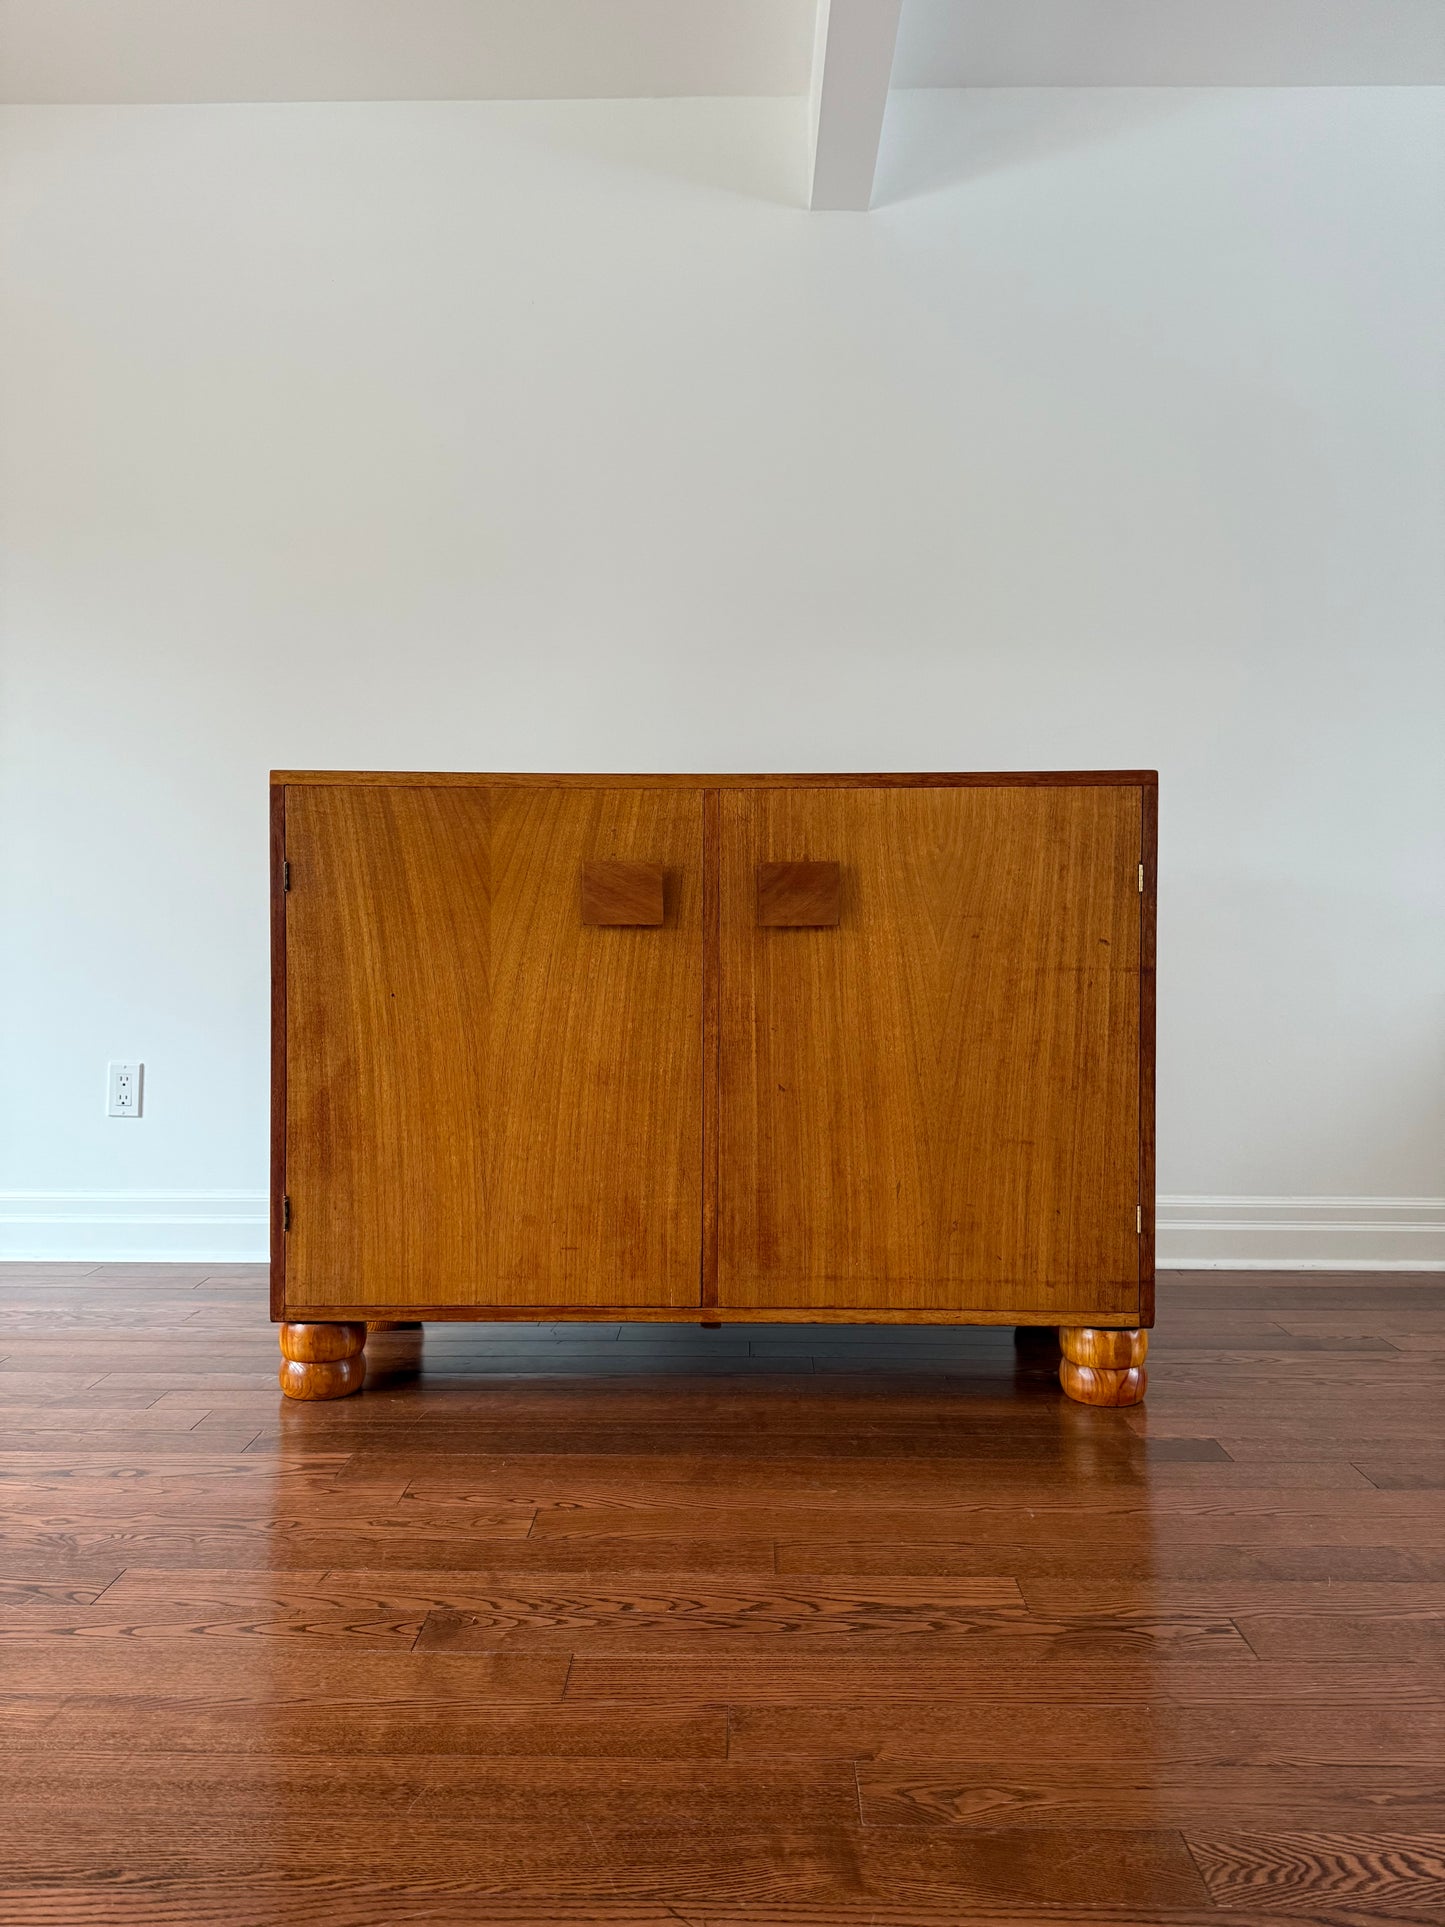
[
  {"x": 1300, "y": 1234},
  {"x": 195, "y": 1227},
  {"x": 1237, "y": 1234}
]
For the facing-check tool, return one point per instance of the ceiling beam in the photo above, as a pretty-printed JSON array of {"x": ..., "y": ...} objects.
[{"x": 852, "y": 61}]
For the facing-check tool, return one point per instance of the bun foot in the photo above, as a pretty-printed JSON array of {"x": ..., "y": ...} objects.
[
  {"x": 1102, "y": 1367},
  {"x": 322, "y": 1361}
]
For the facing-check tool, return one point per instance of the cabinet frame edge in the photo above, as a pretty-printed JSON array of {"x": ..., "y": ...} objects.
[
  {"x": 857, "y": 780},
  {"x": 278, "y": 1052},
  {"x": 1148, "y": 920}
]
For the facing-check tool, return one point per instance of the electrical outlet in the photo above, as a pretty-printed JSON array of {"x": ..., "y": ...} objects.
[{"x": 123, "y": 1082}]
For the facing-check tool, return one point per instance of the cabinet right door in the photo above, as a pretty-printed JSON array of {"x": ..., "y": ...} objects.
[{"x": 932, "y": 1103}]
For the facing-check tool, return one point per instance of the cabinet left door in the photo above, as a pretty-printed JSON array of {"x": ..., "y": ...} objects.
[{"x": 490, "y": 1100}]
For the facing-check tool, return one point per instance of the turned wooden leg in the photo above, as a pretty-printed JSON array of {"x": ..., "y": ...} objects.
[
  {"x": 1103, "y": 1367},
  {"x": 322, "y": 1361}
]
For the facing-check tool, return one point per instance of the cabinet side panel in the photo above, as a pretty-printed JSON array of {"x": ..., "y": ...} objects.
[
  {"x": 278, "y": 1051},
  {"x": 934, "y": 1103},
  {"x": 1148, "y": 918}
]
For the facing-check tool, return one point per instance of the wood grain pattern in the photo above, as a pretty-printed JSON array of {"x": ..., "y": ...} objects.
[
  {"x": 321, "y": 1344},
  {"x": 935, "y": 1104},
  {"x": 1201, "y": 1795},
  {"x": 799, "y": 896},
  {"x": 1280, "y": 1521},
  {"x": 618, "y": 891},
  {"x": 961, "y": 1679},
  {"x": 1396, "y": 1636},
  {"x": 1088, "y": 1386},
  {"x": 1114, "y": 1351},
  {"x": 538, "y": 1080},
  {"x": 711, "y": 1037},
  {"x": 594, "y": 1615},
  {"x": 322, "y": 1361},
  {"x": 1098, "y": 1384},
  {"x": 1393, "y": 1873},
  {"x": 429, "y": 1726},
  {"x": 1099, "y": 1735},
  {"x": 1005, "y": 1638},
  {"x": 778, "y": 1644}
]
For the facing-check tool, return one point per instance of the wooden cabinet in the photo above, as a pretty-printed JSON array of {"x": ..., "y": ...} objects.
[{"x": 790, "y": 1048}]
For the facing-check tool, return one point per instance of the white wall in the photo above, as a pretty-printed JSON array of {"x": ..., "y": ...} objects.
[{"x": 536, "y": 436}]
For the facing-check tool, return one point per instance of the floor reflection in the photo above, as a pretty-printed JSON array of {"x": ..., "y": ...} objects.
[{"x": 898, "y": 1544}]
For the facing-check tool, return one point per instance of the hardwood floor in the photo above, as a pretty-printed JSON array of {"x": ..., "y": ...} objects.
[{"x": 778, "y": 1625}]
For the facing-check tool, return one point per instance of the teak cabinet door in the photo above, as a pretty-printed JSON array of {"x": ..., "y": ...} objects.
[
  {"x": 931, "y": 1102},
  {"x": 493, "y": 1078}
]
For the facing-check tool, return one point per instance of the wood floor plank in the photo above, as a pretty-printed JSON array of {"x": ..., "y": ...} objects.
[
  {"x": 592, "y": 1610},
  {"x": 1235, "y": 1597},
  {"x": 1142, "y": 1563},
  {"x": 1007, "y": 1736},
  {"x": 148, "y": 1896},
  {"x": 963, "y": 1681},
  {"x": 1404, "y": 1477},
  {"x": 162, "y": 1898},
  {"x": 852, "y": 1622},
  {"x": 515, "y": 1790},
  {"x": 390, "y": 1727},
  {"x": 707, "y": 1866},
  {"x": 1202, "y": 1797},
  {"x": 657, "y": 1478},
  {"x": 824, "y": 1444},
  {"x": 76, "y": 1625},
  {"x": 160, "y": 1463},
  {"x": 17, "y": 1592},
  {"x": 293, "y": 1671},
  {"x": 517, "y": 1599},
  {"x": 1394, "y": 1637},
  {"x": 103, "y": 1443},
  {"x": 1272, "y": 1292},
  {"x": 476, "y": 1542},
  {"x": 1263, "y": 1520},
  {"x": 1393, "y": 1871},
  {"x": 260, "y": 1487},
  {"x": 892, "y": 1481},
  {"x": 1075, "y": 1867}
]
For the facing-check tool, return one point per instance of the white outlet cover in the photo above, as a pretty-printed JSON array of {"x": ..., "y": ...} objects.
[{"x": 123, "y": 1089}]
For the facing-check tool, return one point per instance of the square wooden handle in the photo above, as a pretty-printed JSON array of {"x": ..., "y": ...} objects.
[
  {"x": 798, "y": 896},
  {"x": 617, "y": 891}
]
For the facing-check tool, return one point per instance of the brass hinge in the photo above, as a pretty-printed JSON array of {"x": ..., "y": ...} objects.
[
  {"x": 1139, "y": 1219},
  {"x": 285, "y": 1214},
  {"x": 1141, "y": 879},
  {"x": 286, "y": 875}
]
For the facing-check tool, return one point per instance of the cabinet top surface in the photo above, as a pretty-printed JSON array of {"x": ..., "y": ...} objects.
[{"x": 867, "y": 779}]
